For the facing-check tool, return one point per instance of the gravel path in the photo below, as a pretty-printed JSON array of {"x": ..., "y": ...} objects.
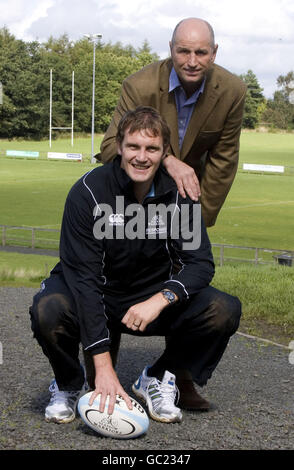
[{"x": 252, "y": 390}]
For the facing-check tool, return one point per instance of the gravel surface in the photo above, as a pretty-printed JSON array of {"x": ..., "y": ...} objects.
[{"x": 252, "y": 393}]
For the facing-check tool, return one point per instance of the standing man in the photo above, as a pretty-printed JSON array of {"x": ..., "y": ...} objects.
[
  {"x": 124, "y": 225},
  {"x": 203, "y": 106}
]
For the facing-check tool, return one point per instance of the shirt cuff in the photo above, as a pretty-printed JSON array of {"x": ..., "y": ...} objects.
[
  {"x": 178, "y": 288},
  {"x": 98, "y": 349}
]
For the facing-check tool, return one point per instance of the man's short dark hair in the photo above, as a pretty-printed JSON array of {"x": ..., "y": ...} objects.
[{"x": 144, "y": 118}]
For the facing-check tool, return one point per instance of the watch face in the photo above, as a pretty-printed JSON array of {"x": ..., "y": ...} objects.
[{"x": 170, "y": 296}]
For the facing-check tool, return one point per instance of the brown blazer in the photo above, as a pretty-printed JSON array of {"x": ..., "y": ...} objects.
[{"x": 211, "y": 143}]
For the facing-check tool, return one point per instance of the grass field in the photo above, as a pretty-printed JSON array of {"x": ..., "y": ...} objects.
[
  {"x": 267, "y": 148},
  {"x": 255, "y": 147},
  {"x": 81, "y": 145},
  {"x": 258, "y": 212},
  {"x": 27, "y": 270}
]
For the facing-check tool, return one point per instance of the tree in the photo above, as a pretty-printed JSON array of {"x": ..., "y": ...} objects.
[
  {"x": 56, "y": 57},
  {"x": 279, "y": 111},
  {"x": 255, "y": 101},
  {"x": 144, "y": 55},
  {"x": 18, "y": 75},
  {"x": 25, "y": 71},
  {"x": 286, "y": 83},
  {"x": 113, "y": 65}
]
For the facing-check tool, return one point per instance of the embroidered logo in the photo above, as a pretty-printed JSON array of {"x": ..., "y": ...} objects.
[{"x": 116, "y": 219}]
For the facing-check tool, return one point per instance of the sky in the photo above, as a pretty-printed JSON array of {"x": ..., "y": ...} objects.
[{"x": 255, "y": 35}]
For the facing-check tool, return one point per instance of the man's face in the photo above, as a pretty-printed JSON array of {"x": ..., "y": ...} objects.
[
  {"x": 141, "y": 155},
  {"x": 192, "y": 55}
]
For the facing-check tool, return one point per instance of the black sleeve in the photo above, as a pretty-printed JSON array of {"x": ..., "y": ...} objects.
[
  {"x": 81, "y": 257},
  {"x": 191, "y": 250}
]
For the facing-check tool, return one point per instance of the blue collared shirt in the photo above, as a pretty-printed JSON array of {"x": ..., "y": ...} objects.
[{"x": 185, "y": 107}]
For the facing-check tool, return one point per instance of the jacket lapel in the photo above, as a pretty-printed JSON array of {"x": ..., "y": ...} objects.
[
  {"x": 203, "y": 108},
  {"x": 168, "y": 108}
]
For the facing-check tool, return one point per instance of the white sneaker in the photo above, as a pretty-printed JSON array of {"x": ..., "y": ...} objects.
[
  {"x": 159, "y": 396},
  {"x": 62, "y": 405}
]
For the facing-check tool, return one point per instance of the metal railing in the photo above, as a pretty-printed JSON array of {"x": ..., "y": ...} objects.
[
  {"x": 223, "y": 253},
  {"x": 32, "y": 241},
  {"x": 260, "y": 255}
]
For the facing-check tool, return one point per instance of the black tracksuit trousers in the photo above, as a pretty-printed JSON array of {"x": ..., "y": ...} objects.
[{"x": 198, "y": 330}]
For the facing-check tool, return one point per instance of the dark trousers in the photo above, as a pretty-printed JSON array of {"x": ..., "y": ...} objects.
[{"x": 198, "y": 331}]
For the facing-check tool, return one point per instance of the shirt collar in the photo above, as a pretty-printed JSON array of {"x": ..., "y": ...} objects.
[{"x": 174, "y": 83}]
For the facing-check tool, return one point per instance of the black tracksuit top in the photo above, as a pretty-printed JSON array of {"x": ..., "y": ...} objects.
[{"x": 95, "y": 266}]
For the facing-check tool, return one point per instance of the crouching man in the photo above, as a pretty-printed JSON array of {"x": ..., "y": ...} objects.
[{"x": 134, "y": 258}]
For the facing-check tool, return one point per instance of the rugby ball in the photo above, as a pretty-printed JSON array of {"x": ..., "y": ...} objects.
[{"x": 123, "y": 423}]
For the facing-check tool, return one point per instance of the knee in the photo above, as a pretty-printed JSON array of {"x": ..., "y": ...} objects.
[
  {"x": 227, "y": 311},
  {"x": 46, "y": 313}
]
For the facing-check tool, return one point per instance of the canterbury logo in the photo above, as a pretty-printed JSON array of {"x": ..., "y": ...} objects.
[{"x": 116, "y": 219}]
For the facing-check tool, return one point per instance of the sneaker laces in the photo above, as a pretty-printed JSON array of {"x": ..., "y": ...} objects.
[
  {"x": 162, "y": 391},
  {"x": 60, "y": 396}
]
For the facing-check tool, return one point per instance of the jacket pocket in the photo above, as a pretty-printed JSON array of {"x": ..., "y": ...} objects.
[{"x": 210, "y": 137}]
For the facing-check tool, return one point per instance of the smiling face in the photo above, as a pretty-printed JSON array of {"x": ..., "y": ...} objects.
[
  {"x": 141, "y": 154},
  {"x": 193, "y": 52}
]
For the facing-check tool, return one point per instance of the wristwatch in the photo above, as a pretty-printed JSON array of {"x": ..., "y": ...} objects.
[{"x": 169, "y": 296}]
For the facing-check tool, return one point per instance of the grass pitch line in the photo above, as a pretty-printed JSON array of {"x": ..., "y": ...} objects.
[
  {"x": 273, "y": 203},
  {"x": 264, "y": 340}
]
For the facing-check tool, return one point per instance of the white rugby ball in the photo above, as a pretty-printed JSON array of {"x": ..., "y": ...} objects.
[{"x": 123, "y": 423}]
